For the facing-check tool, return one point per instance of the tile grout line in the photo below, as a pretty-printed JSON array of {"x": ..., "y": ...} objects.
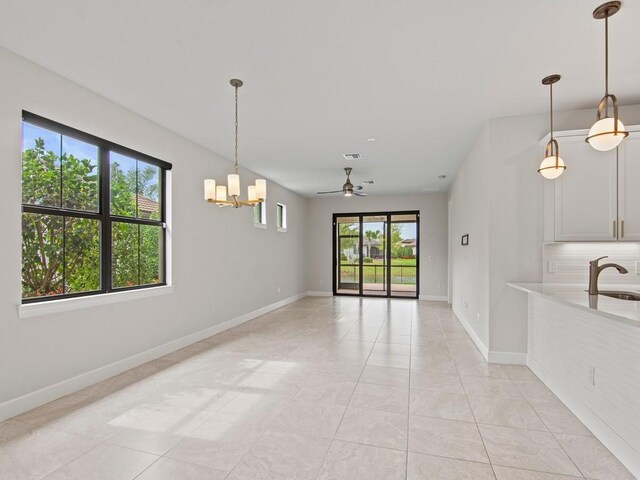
[
  {"x": 406, "y": 463},
  {"x": 466, "y": 396},
  {"x": 291, "y": 400},
  {"x": 531, "y": 406},
  {"x": 526, "y": 399},
  {"x": 350, "y": 398}
]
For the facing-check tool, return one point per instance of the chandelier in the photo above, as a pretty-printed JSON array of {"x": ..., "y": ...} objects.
[{"x": 218, "y": 194}]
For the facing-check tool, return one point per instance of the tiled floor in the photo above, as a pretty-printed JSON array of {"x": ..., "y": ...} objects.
[{"x": 327, "y": 389}]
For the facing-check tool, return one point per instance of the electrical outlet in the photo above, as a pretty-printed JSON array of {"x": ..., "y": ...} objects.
[{"x": 552, "y": 267}]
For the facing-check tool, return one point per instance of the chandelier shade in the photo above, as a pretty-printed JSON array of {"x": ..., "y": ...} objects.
[{"x": 218, "y": 193}]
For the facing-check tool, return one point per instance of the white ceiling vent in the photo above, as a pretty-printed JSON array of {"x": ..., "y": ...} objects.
[{"x": 352, "y": 156}]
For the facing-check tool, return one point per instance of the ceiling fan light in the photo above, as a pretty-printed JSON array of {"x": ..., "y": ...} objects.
[
  {"x": 552, "y": 167},
  {"x": 603, "y": 135}
]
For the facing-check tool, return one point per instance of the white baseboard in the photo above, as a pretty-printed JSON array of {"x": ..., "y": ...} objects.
[
  {"x": 624, "y": 452},
  {"x": 476, "y": 339},
  {"x": 319, "y": 293},
  {"x": 507, "y": 358},
  {"x": 434, "y": 298},
  {"x": 16, "y": 406}
]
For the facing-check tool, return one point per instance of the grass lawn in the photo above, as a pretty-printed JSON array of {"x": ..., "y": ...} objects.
[{"x": 401, "y": 271}]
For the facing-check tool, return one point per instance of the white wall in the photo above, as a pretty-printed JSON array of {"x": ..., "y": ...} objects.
[
  {"x": 222, "y": 266},
  {"x": 468, "y": 214},
  {"x": 433, "y": 236},
  {"x": 500, "y": 173}
]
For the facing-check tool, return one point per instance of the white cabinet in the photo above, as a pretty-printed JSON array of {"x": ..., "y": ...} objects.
[
  {"x": 585, "y": 194},
  {"x": 629, "y": 188},
  {"x": 597, "y": 198}
]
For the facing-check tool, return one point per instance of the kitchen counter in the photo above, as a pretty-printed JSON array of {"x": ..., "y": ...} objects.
[{"x": 625, "y": 311}]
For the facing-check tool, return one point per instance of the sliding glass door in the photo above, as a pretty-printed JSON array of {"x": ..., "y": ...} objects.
[
  {"x": 348, "y": 254},
  {"x": 376, "y": 254}
]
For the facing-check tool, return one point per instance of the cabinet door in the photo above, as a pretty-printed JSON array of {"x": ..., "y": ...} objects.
[
  {"x": 585, "y": 194},
  {"x": 629, "y": 188}
]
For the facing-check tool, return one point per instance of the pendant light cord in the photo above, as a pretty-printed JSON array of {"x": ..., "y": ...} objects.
[
  {"x": 606, "y": 64},
  {"x": 235, "y": 164},
  {"x": 551, "y": 109}
]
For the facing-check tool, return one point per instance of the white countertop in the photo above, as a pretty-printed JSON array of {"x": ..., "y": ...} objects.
[{"x": 576, "y": 296}]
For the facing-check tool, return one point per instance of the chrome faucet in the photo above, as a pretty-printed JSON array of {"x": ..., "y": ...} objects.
[{"x": 594, "y": 273}]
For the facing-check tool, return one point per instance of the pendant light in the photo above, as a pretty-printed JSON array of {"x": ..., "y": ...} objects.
[
  {"x": 218, "y": 194},
  {"x": 552, "y": 166},
  {"x": 608, "y": 132}
]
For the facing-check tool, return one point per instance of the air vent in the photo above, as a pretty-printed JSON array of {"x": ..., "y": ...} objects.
[
  {"x": 352, "y": 156},
  {"x": 369, "y": 182}
]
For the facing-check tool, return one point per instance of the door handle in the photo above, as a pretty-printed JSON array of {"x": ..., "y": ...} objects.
[
  {"x": 622, "y": 229},
  {"x": 615, "y": 229}
]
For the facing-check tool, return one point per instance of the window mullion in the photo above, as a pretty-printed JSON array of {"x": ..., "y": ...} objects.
[{"x": 105, "y": 209}]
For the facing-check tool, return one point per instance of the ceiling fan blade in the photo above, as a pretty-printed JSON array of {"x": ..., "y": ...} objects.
[
  {"x": 358, "y": 187},
  {"x": 334, "y": 191},
  {"x": 358, "y": 194}
]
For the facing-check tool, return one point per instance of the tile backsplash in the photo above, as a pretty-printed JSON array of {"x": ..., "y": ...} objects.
[{"x": 571, "y": 262}]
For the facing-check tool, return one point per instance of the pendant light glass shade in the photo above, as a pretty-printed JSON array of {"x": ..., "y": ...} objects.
[
  {"x": 552, "y": 165},
  {"x": 604, "y": 137},
  {"x": 608, "y": 132}
]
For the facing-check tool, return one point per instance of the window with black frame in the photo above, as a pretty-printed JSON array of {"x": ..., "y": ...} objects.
[{"x": 93, "y": 214}]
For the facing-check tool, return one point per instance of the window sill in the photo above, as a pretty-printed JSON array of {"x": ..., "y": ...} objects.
[
  {"x": 259, "y": 225},
  {"x": 282, "y": 229},
  {"x": 67, "y": 304}
]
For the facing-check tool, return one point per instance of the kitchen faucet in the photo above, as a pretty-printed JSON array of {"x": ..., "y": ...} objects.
[{"x": 594, "y": 273}]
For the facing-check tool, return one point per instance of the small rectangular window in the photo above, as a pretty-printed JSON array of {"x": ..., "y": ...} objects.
[
  {"x": 281, "y": 217},
  {"x": 260, "y": 215},
  {"x": 93, "y": 214}
]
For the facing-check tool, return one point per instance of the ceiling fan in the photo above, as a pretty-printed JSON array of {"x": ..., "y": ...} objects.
[{"x": 348, "y": 189}]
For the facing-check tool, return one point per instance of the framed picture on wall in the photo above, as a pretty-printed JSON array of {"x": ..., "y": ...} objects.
[{"x": 465, "y": 239}]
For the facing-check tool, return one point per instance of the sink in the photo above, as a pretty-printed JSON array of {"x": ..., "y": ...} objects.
[{"x": 635, "y": 297}]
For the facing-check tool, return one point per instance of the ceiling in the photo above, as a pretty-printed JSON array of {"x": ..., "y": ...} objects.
[{"x": 323, "y": 76}]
